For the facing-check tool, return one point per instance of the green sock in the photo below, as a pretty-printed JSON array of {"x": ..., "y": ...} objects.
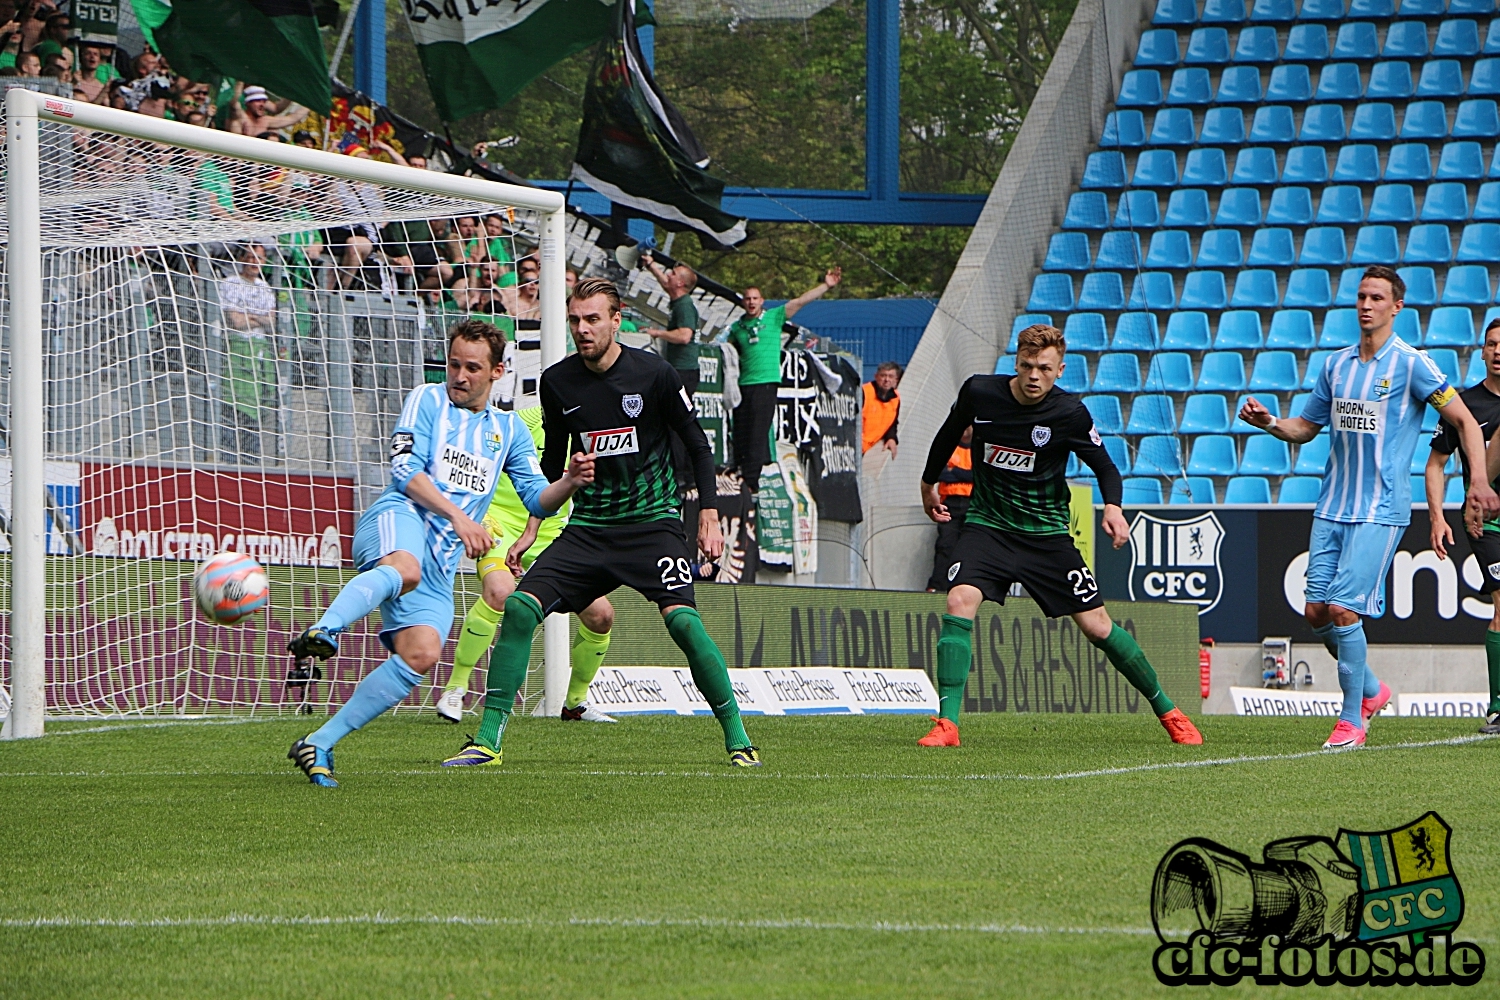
[
  {"x": 710, "y": 673},
  {"x": 588, "y": 656},
  {"x": 478, "y": 632},
  {"x": 1492, "y": 655},
  {"x": 1131, "y": 661},
  {"x": 955, "y": 651},
  {"x": 508, "y": 666}
]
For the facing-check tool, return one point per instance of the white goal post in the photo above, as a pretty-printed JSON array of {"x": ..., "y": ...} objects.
[{"x": 33, "y": 207}]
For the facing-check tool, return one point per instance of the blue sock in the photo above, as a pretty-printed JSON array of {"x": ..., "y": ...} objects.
[
  {"x": 1352, "y": 669},
  {"x": 383, "y": 689},
  {"x": 1372, "y": 683},
  {"x": 360, "y": 596},
  {"x": 1330, "y": 642}
]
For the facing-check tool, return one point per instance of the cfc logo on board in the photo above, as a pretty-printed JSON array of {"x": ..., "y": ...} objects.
[
  {"x": 1176, "y": 561},
  {"x": 1378, "y": 908}
]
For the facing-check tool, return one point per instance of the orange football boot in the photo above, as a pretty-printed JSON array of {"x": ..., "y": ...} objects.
[
  {"x": 944, "y": 734},
  {"x": 1180, "y": 727}
]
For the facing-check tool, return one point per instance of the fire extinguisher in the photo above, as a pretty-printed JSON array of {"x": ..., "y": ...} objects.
[{"x": 1205, "y": 665}]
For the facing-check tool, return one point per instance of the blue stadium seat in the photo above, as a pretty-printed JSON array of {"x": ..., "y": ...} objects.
[
  {"x": 1389, "y": 80},
  {"x": 1347, "y": 294},
  {"x": 1153, "y": 290},
  {"x": 1207, "y": 47},
  {"x": 1141, "y": 88},
  {"x": 1140, "y": 490},
  {"x": 1213, "y": 454},
  {"x": 1272, "y": 11},
  {"x": 1425, "y": 120},
  {"x": 1118, "y": 373},
  {"x": 1254, "y": 289},
  {"x": 1108, "y": 418},
  {"x": 1186, "y": 331},
  {"x": 1300, "y": 400},
  {"x": 1440, "y": 78},
  {"x": 1195, "y": 490},
  {"x": 1119, "y": 451},
  {"x": 1421, "y": 286},
  {"x": 1075, "y": 374},
  {"x": 1300, "y": 489},
  {"x": 1421, "y": 8},
  {"x": 1476, "y": 371},
  {"x": 1484, "y": 81},
  {"x": 1052, "y": 293},
  {"x": 1238, "y": 207},
  {"x": 1273, "y": 123},
  {"x": 1005, "y": 364},
  {"x": 1290, "y": 206},
  {"x": 1102, "y": 290},
  {"x": 1447, "y": 361},
  {"x": 1087, "y": 210},
  {"x": 1257, "y": 45},
  {"x": 1340, "y": 328},
  {"x": 1255, "y": 165},
  {"x": 1175, "y": 12},
  {"x": 1429, "y": 243},
  {"x": 1307, "y": 43},
  {"x": 1477, "y": 119},
  {"x": 1204, "y": 290},
  {"x": 1490, "y": 315},
  {"x": 1276, "y": 371},
  {"x": 1315, "y": 362},
  {"x": 1136, "y": 331},
  {"x": 1205, "y": 413},
  {"x": 1494, "y": 171},
  {"x": 1460, "y": 161},
  {"x": 1223, "y": 126},
  {"x": 1067, "y": 252},
  {"x": 1169, "y": 371},
  {"x": 1409, "y": 161},
  {"x": 1373, "y": 123},
  {"x": 1372, "y": 8},
  {"x": 1086, "y": 332},
  {"x": 1322, "y": 123},
  {"x": 1158, "y": 455},
  {"x": 1430, "y": 422},
  {"x": 1206, "y": 168},
  {"x": 1269, "y": 400},
  {"x": 1357, "y": 164},
  {"x": 1149, "y": 414},
  {"x": 1104, "y": 170},
  {"x": 1450, "y": 326},
  {"x": 1170, "y": 248},
  {"x": 1240, "y": 84},
  {"x": 1239, "y": 330},
  {"x": 1190, "y": 86},
  {"x": 1157, "y": 48},
  {"x": 1307, "y": 288},
  {"x": 1222, "y": 371},
  {"x": 1290, "y": 328},
  {"x": 1487, "y": 202},
  {"x": 1223, "y": 12},
  {"x": 1187, "y": 207},
  {"x": 1312, "y": 457},
  {"x": 1155, "y": 168},
  {"x": 1272, "y": 248},
  {"x": 1454, "y": 493},
  {"x": 1458, "y": 37},
  {"x": 1492, "y": 39},
  {"x": 1408, "y": 322},
  {"x": 1021, "y": 322},
  {"x": 1249, "y": 489},
  {"x": 1467, "y": 285},
  {"x": 1173, "y": 127},
  {"x": 1324, "y": 247},
  {"x": 1221, "y": 248},
  {"x": 1471, "y": 7},
  {"x": 1305, "y": 165},
  {"x": 1393, "y": 203},
  {"x": 1124, "y": 129},
  {"x": 1447, "y": 201},
  {"x": 1321, "y": 10},
  {"x": 1119, "y": 249},
  {"x": 1265, "y": 456},
  {"x": 1480, "y": 243},
  {"x": 1375, "y": 245},
  {"x": 1138, "y": 210},
  {"x": 1340, "y": 82},
  {"x": 1290, "y": 82},
  {"x": 1356, "y": 40},
  {"x": 1405, "y": 40}
]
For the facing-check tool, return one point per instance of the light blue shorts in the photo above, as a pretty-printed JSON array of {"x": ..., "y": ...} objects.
[
  {"x": 1347, "y": 564},
  {"x": 392, "y": 523}
]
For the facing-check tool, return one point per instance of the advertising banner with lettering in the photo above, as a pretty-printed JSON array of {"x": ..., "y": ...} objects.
[
  {"x": 804, "y": 691},
  {"x": 96, "y": 21},
  {"x": 833, "y": 468}
]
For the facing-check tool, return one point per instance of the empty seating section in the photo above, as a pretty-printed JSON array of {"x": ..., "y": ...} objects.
[{"x": 1262, "y": 154}]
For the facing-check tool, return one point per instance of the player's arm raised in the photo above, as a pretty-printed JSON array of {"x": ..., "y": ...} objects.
[
  {"x": 1089, "y": 448},
  {"x": 1295, "y": 430},
  {"x": 684, "y": 420},
  {"x": 948, "y": 436}
]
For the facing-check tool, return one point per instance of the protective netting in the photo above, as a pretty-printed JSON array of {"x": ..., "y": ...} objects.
[{"x": 227, "y": 347}]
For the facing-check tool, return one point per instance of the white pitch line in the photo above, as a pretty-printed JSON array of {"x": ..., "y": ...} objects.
[{"x": 117, "y": 726}]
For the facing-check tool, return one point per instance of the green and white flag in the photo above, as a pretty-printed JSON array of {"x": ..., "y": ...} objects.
[
  {"x": 272, "y": 43},
  {"x": 477, "y": 56}
]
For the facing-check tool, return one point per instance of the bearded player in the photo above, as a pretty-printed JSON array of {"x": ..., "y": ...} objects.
[
  {"x": 620, "y": 406},
  {"x": 1016, "y": 527}
]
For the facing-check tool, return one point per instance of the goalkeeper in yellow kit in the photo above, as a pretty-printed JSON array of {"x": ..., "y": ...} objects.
[{"x": 516, "y": 531}]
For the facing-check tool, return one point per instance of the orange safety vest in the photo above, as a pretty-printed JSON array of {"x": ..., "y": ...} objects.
[
  {"x": 878, "y": 416},
  {"x": 962, "y": 458}
]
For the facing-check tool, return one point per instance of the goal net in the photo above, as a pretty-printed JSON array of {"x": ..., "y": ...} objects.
[{"x": 208, "y": 340}]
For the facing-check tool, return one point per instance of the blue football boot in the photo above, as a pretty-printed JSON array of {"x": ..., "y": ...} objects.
[{"x": 315, "y": 762}]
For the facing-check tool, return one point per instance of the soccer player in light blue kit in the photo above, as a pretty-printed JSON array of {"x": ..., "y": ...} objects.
[
  {"x": 448, "y": 450},
  {"x": 1371, "y": 396}
]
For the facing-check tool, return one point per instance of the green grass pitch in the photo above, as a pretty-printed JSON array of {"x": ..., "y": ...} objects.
[{"x": 192, "y": 860}]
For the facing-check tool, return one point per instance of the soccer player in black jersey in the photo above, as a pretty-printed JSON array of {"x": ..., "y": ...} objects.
[
  {"x": 618, "y": 405},
  {"x": 1016, "y": 528}
]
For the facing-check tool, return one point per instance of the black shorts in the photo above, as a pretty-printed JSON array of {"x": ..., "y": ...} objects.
[
  {"x": 1050, "y": 567},
  {"x": 1487, "y": 553},
  {"x": 585, "y": 563}
]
